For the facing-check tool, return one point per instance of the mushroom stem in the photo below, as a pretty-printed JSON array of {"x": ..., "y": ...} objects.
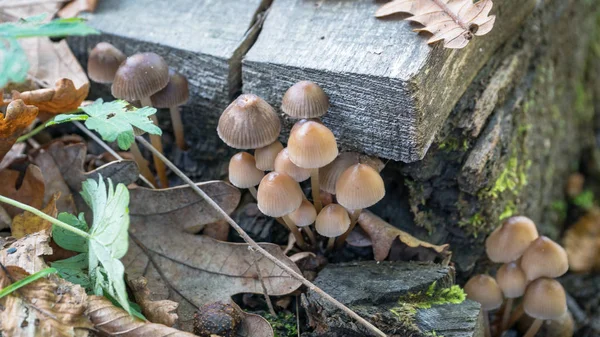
[
  {"x": 310, "y": 234},
  {"x": 316, "y": 189},
  {"x": 506, "y": 314},
  {"x": 156, "y": 141},
  {"x": 178, "y": 127},
  {"x": 253, "y": 191},
  {"x": 330, "y": 244},
  {"x": 486, "y": 324},
  {"x": 353, "y": 221},
  {"x": 534, "y": 328},
  {"x": 294, "y": 229},
  {"x": 142, "y": 164},
  {"x": 516, "y": 315}
]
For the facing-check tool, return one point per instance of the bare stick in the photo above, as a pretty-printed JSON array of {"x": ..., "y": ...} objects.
[
  {"x": 258, "y": 248},
  {"x": 264, "y": 288}
]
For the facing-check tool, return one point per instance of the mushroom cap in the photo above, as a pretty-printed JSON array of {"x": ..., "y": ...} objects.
[
  {"x": 544, "y": 258},
  {"x": 140, "y": 76},
  {"x": 284, "y": 164},
  {"x": 305, "y": 99},
  {"x": 243, "y": 172},
  {"x": 512, "y": 280},
  {"x": 484, "y": 289},
  {"x": 508, "y": 241},
  {"x": 249, "y": 122},
  {"x": 279, "y": 194},
  {"x": 175, "y": 93},
  {"x": 545, "y": 299},
  {"x": 359, "y": 186},
  {"x": 103, "y": 62},
  {"x": 305, "y": 215},
  {"x": 332, "y": 221},
  {"x": 311, "y": 145},
  {"x": 329, "y": 174},
  {"x": 265, "y": 156}
]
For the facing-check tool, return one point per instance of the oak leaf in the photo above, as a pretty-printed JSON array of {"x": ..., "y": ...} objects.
[
  {"x": 156, "y": 311},
  {"x": 453, "y": 21},
  {"x": 17, "y": 118},
  {"x": 389, "y": 240},
  {"x": 27, "y": 253},
  {"x": 75, "y": 7},
  {"x": 64, "y": 97},
  {"x": 15, "y": 153},
  {"x": 29, "y": 223},
  {"x": 582, "y": 242},
  {"x": 31, "y": 191}
]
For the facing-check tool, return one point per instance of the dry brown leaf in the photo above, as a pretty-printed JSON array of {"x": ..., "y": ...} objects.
[
  {"x": 15, "y": 153},
  {"x": 218, "y": 230},
  {"x": 29, "y": 223},
  {"x": 385, "y": 237},
  {"x": 160, "y": 312},
  {"x": 75, "y": 7},
  {"x": 48, "y": 307},
  {"x": 12, "y": 10},
  {"x": 453, "y": 21},
  {"x": 27, "y": 253},
  {"x": 15, "y": 121},
  {"x": 63, "y": 98},
  {"x": 182, "y": 206},
  {"x": 582, "y": 242},
  {"x": 31, "y": 191},
  {"x": 113, "y": 321}
]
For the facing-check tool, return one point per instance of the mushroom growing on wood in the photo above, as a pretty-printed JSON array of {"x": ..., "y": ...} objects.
[
  {"x": 243, "y": 172},
  {"x": 329, "y": 174},
  {"x": 305, "y": 216},
  {"x": 139, "y": 77},
  {"x": 284, "y": 164},
  {"x": 176, "y": 93},
  {"x": 510, "y": 240},
  {"x": 312, "y": 145},
  {"x": 512, "y": 280},
  {"x": 103, "y": 62},
  {"x": 265, "y": 156},
  {"x": 544, "y": 299},
  {"x": 332, "y": 222},
  {"x": 544, "y": 258},
  {"x": 484, "y": 289},
  {"x": 305, "y": 99}
]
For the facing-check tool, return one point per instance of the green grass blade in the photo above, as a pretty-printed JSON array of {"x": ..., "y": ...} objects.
[{"x": 29, "y": 279}]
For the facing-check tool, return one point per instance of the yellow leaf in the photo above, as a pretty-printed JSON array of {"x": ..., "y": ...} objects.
[{"x": 29, "y": 223}]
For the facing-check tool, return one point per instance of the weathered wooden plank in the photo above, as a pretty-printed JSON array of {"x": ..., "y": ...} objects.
[
  {"x": 390, "y": 91},
  {"x": 205, "y": 40}
]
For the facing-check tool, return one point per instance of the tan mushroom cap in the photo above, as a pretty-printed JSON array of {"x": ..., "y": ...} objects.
[
  {"x": 140, "y": 76},
  {"x": 284, "y": 164},
  {"x": 305, "y": 215},
  {"x": 311, "y": 145},
  {"x": 175, "y": 93},
  {"x": 305, "y": 99},
  {"x": 510, "y": 240},
  {"x": 243, "y": 172},
  {"x": 512, "y": 280},
  {"x": 332, "y": 221},
  {"x": 484, "y": 289},
  {"x": 545, "y": 299},
  {"x": 359, "y": 186},
  {"x": 249, "y": 122},
  {"x": 103, "y": 62},
  {"x": 329, "y": 174},
  {"x": 265, "y": 156},
  {"x": 279, "y": 194},
  {"x": 544, "y": 258}
]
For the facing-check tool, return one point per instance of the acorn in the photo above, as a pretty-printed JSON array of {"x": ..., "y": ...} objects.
[{"x": 217, "y": 319}]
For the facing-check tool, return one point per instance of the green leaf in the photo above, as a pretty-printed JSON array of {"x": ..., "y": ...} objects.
[
  {"x": 109, "y": 238},
  {"x": 115, "y": 121},
  {"x": 74, "y": 270},
  {"x": 66, "y": 118},
  {"x": 13, "y": 61},
  {"x": 29, "y": 279},
  {"x": 69, "y": 240}
]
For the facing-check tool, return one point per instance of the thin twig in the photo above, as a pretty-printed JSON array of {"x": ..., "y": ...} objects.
[
  {"x": 255, "y": 246},
  {"x": 264, "y": 288}
]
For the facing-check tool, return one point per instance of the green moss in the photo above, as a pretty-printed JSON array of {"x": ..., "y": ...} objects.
[
  {"x": 560, "y": 207},
  {"x": 284, "y": 324},
  {"x": 584, "y": 200},
  {"x": 509, "y": 210},
  {"x": 453, "y": 144},
  {"x": 475, "y": 223}
]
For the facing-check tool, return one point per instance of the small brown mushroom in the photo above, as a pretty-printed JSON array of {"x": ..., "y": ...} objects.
[
  {"x": 329, "y": 174},
  {"x": 103, "y": 62},
  {"x": 484, "y": 289},
  {"x": 243, "y": 172},
  {"x": 544, "y": 299},
  {"x": 303, "y": 217},
  {"x": 510, "y": 240},
  {"x": 544, "y": 258},
  {"x": 265, "y": 156},
  {"x": 512, "y": 280},
  {"x": 305, "y": 99},
  {"x": 176, "y": 93},
  {"x": 284, "y": 164},
  {"x": 332, "y": 222}
]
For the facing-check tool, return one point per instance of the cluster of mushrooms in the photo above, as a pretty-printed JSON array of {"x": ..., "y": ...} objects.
[
  {"x": 529, "y": 265},
  {"x": 143, "y": 77},
  {"x": 250, "y": 122}
]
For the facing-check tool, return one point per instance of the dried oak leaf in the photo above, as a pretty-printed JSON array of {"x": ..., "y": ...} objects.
[
  {"x": 48, "y": 307},
  {"x": 389, "y": 240},
  {"x": 582, "y": 242},
  {"x": 17, "y": 118},
  {"x": 161, "y": 311},
  {"x": 75, "y": 7},
  {"x": 15, "y": 153},
  {"x": 29, "y": 223},
  {"x": 27, "y": 253},
  {"x": 453, "y": 21},
  {"x": 113, "y": 321},
  {"x": 64, "y": 97},
  {"x": 31, "y": 191}
]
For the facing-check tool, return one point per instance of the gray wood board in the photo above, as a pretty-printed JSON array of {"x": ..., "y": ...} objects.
[{"x": 390, "y": 92}]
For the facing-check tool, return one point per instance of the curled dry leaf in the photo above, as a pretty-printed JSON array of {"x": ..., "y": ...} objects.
[
  {"x": 385, "y": 237},
  {"x": 113, "y": 321},
  {"x": 29, "y": 223},
  {"x": 27, "y": 253},
  {"x": 64, "y": 97},
  {"x": 31, "y": 191},
  {"x": 15, "y": 153},
  {"x": 582, "y": 242},
  {"x": 49, "y": 307},
  {"x": 453, "y": 21},
  {"x": 17, "y": 118},
  {"x": 75, "y": 7},
  {"x": 160, "y": 312}
]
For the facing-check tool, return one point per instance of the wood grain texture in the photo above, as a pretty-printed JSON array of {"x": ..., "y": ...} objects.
[{"x": 390, "y": 92}]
